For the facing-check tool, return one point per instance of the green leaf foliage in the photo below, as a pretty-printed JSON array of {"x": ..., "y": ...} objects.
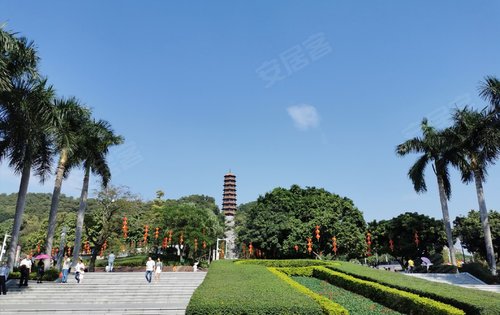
[
  {"x": 284, "y": 218},
  {"x": 469, "y": 230}
]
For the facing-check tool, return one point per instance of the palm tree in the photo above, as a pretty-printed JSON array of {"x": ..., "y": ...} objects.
[
  {"x": 490, "y": 91},
  {"x": 26, "y": 121},
  {"x": 97, "y": 138},
  {"x": 479, "y": 141},
  {"x": 18, "y": 56},
  {"x": 72, "y": 117},
  {"x": 437, "y": 149}
]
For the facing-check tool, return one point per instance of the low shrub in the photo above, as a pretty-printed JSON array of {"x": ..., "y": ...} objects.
[
  {"x": 327, "y": 305},
  {"x": 353, "y": 302},
  {"x": 393, "y": 298},
  {"x": 231, "y": 288},
  {"x": 470, "y": 300}
]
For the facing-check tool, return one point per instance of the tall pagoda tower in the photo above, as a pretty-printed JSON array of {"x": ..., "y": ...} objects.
[
  {"x": 229, "y": 209},
  {"x": 229, "y": 195}
]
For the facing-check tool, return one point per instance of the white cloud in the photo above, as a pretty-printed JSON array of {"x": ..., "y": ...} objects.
[{"x": 304, "y": 116}]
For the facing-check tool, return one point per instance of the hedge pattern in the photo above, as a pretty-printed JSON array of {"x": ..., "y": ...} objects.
[
  {"x": 472, "y": 301},
  {"x": 395, "y": 299},
  {"x": 231, "y": 288},
  {"x": 329, "y": 307}
]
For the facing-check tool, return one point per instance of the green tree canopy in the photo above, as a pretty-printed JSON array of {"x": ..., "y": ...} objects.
[
  {"x": 284, "y": 218},
  {"x": 401, "y": 230},
  {"x": 468, "y": 229}
]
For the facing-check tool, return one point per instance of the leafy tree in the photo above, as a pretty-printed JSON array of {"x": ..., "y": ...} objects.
[
  {"x": 26, "y": 120},
  {"x": 401, "y": 230},
  {"x": 490, "y": 91},
  {"x": 436, "y": 147},
  {"x": 479, "y": 141},
  {"x": 103, "y": 220},
  {"x": 18, "y": 58},
  {"x": 92, "y": 152},
  {"x": 192, "y": 220},
  {"x": 284, "y": 218},
  {"x": 469, "y": 230},
  {"x": 71, "y": 119}
]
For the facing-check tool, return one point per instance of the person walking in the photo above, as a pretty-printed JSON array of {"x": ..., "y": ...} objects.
[
  {"x": 79, "y": 271},
  {"x": 25, "y": 269},
  {"x": 4, "y": 275},
  {"x": 65, "y": 268},
  {"x": 150, "y": 266},
  {"x": 411, "y": 265},
  {"x": 158, "y": 269},
  {"x": 40, "y": 271},
  {"x": 111, "y": 262}
]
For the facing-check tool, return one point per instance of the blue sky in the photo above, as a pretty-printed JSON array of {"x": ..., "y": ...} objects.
[{"x": 282, "y": 92}]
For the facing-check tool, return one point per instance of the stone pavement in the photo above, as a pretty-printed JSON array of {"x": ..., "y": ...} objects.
[
  {"x": 104, "y": 293},
  {"x": 463, "y": 279}
]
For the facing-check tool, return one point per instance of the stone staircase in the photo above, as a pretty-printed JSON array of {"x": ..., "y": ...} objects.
[{"x": 104, "y": 293}]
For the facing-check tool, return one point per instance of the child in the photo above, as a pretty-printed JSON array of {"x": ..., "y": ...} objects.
[{"x": 79, "y": 271}]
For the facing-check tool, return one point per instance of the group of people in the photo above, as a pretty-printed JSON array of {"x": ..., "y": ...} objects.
[
  {"x": 26, "y": 264},
  {"x": 152, "y": 266}
]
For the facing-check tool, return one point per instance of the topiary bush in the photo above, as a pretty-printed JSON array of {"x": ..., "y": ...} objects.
[{"x": 395, "y": 299}]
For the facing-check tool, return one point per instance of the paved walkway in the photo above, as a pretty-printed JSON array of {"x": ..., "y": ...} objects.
[
  {"x": 104, "y": 293},
  {"x": 463, "y": 279}
]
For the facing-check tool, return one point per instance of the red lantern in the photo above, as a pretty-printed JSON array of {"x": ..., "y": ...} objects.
[
  {"x": 38, "y": 248},
  {"x": 170, "y": 236},
  {"x": 334, "y": 245},
  {"x": 309, "y": 245},
  {"x": 125, "y": 227},
  {"x": 146, "y": 230},
  {"x": 195, "y": 244},
  {"x": 417, "y": 240},
  {"x": 391, "y": 244},
  {"x": 157, "y": 233},
  {"x": 164, "y": 244},
  {"x": 368, "y": 243},
  {"x": 204, "y": 245},
  {"x": 296, "y": 247},
  {"x": 317, "y": 233},
  {"x": 250, "y": 249}
]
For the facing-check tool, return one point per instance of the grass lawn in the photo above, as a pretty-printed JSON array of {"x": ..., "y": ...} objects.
[
  {"x": 354, "y": 303},
  {"x": 231, "y": 288}
]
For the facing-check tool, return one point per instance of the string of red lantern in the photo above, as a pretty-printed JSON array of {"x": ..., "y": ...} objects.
[
  {"x": 368, "y": 243},
  {"x": 417, "y": 240},
  {"x": 334, "y": 245},
  {"x": 125, "y": 228},
  {"x": 309, "y": 245},
  {"x": 391, "y": 244}
]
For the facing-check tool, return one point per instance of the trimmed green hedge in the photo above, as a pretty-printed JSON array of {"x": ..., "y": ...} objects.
[
  {"x": 287, "y": 263},
  {"x": 470, "y": 300},
  {"x": 393, "y": 298},
  {"x": 231, "y": 288},
  {"x": 49, "y": 275},
  {"x": 326, "y": 304}
]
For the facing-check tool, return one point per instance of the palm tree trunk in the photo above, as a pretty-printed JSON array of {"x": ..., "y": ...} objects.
[
  {"x": 55, "y": 204},
  {"x": 81, "y": 216},
  {"x": 490, "y": 253},
  {"x": 18, "y": 219},
  {"x": 446, "y": 219}
]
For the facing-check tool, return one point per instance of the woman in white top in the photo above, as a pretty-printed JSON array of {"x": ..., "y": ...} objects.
[
  {"x": 79, "y": 271},
  {"x": 158, "y": 269}
]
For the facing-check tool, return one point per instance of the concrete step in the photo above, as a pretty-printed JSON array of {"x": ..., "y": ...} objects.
[{"x": 104, "y": 293}]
